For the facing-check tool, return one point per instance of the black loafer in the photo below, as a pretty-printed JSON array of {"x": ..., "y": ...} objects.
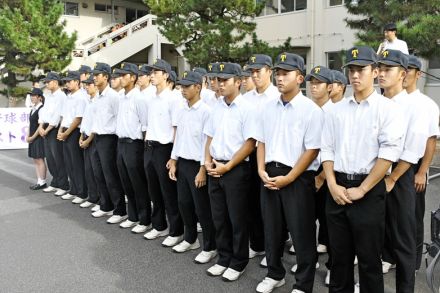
[{"x": 38, "y": 186}]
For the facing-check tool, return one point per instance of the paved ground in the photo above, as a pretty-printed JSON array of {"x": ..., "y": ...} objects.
[{"x": 50, "y": 245}]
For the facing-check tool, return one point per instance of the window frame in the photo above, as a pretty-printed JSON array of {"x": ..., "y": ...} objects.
[
  {"x": 65, "y": 8},
  {"x": 278, "y": 7}
]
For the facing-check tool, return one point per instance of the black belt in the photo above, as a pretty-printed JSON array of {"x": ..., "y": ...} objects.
[
  {"x": 277, "y": 165},
  {"x": 63, "y": 129},
  {"x": 153, "y": 143},
  {"x": 351, "y": 177},
  {"x": 129, "y": 140},
  {"x": 222, "y": 161}
]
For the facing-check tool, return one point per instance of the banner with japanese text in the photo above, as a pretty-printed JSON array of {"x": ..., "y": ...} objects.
[{"x": 14, "y": 124}]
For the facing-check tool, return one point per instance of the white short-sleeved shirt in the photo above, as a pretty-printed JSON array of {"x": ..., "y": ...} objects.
[
  {"x": 149, "y": 91},
  {"x": 89, "y": 116},
  {"x": 208, "y": 97},
  {"x": 73, "y": 107},
  {"x": 430, "y": 111},
  {"x": 107, "y": 105},
  {"x": 356, "y": 134},
  {"x": 397, "y": 44},
  {"x": 190, "y": 140},
  {"x": 230, "y": 127},
  {"x": 415, "y": 126},
  {"x": 289, "y": 130},
  {"x": 53, "y": 106},
  {"x": 162, "y": 113},
  {"x": 132, "y": 115}
]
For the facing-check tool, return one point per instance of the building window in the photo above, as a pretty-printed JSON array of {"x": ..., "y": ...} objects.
[
  {"x": 434, "y": 63},
  {"x": 338, "y": 2},
  {"x": 281, "y": 6},
  {"x": 71, "y": 8},
  {"x": 105, "y": 8},
  {"x": 334, "y": 60}
]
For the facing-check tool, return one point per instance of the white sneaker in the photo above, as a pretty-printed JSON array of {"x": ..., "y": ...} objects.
[
  {"x": 327, "y": 279},
  {"x": 127, "y": 224},
  {"x": 171, "y": 241},
  {"x": 138, "y": 229},
  {"x": 321, "y": 248},
  {"x": 231, "y": 275},
  {"x": 295, "y": 267},
  {"x": 199, "y": 228},
  {"x": 95, "y": 208},
  {"x": 99, "y": 214},
  {"x": 116, "y": 219},
  {"x": 216, "y": 270},
  {"x": 126, "y": 199},
  {"x": 292, "y": 250},
  {"x": 357, "y": 288},
  {"x": 60, "y": 192},
  {"x": 297, "y": 291},
  {"x": 268, "y": 284},
  {"x": 186, "y": 246},
  {"x": 153, "y": 234},
  {"x": 86, "y": 204},
  {"x": 49, "y": 189},
  {"x": 355, "y": 260},
  {"x": 263, "y": 263},
  {"x": 205, "y": 256},
  {"x": 253, "y": 253},
  {"x": 386, "y": 267},
  {"x": 68, "y": 196},
  {"x": 78, "y": 200}
]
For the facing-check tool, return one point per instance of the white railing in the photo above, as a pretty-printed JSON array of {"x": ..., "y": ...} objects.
[{"x": 106, "y": 38}]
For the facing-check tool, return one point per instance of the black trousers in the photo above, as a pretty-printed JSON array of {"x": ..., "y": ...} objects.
[
  {"x": 229, "y": 207},
  {"x": 420, "y": 214},
  {"x": 194, "y": 204},
  {"x": 162, "y": 189},
  {"x": 256, "y": 226},
  {"x": 92, "y": 188},
  {"x": 74, "y": 159},
  {"x": 320, "y": 200},
  {"x": 134, "y": 182},
  {"x": 292, "y": 206},
  {"x": 53, "y": 150},
  {"x": 357, "y": 229},
  {"x": 107, "y": 179},
  {"x": 400, "y": 231}
]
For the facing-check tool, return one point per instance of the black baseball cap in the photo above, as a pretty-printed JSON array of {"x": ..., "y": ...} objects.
[
  {"x": 36, "y": 92},
  {"x": 321, "y": 73},
  {"x": 102, "y": 68},
  {"x": 246, "y": 72},
  {"x": 72, "y": 75},
  {"x": 360, "y": 56},
  {"x": 414, "y": 62},
  {"x": 89, "y": 80},
  {"x": 202, "y": 71},
  {"x": 128, "y": 68},
  {"x": 290, "y": 62},
  {"x": 393, "y": 58},
  {"x": 52, "y": 76},
  {"x": 390, "y": 27},
  {"x": 190, "y": 78},
  {"x": 213, "y": 69},
  {"x": 339, "y": 77},
  {"x": 228, "y": 70},
  {"x": 162, "y": 65},
  {"x": 173, "y": 76},
  {"x": 258, "y": 61},
  {"x": 85, "y": 69},
  {"x": 116, "y": 73},
  {"x": 145, "y": 69}
]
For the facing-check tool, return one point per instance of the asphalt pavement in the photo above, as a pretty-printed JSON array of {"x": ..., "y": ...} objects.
[{"x": 51, "y": 245}]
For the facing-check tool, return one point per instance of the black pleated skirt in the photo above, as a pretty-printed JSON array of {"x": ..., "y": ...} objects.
[{"x": 36, "y": 148}]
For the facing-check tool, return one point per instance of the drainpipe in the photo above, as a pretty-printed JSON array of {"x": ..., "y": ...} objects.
[
  {"x": 113, "y": 11},
  {"x": 312, "y": 46}
]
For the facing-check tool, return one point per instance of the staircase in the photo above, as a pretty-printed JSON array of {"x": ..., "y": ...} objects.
[{"x": 114, "y": 47}]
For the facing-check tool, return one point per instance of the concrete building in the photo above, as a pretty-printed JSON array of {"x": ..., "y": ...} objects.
[{"x": 319, "y": 34}]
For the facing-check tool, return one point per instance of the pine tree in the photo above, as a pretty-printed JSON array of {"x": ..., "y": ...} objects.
[
  {"x": 31, "y": 35},
  {"x": 417, "y": 22},
  {"x": 211, "y": 30}
]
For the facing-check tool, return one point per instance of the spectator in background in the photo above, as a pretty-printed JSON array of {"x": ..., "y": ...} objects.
[{"x": 391, "y": 41}]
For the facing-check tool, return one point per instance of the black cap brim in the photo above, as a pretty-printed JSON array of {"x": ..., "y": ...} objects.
[
  {"x": 318, "y": 77},
  {"x": 186, "y": 82},
  {"x": 212, "y": 74},
  {"x": 96, "y": 72},
  {"x": 286, "y": 67},
  {"x": 256, "y": 66},
  {"x": 226, "y": 75},
  {"x": 390, "y": 63},
  {"x": 361, "y": 63}
]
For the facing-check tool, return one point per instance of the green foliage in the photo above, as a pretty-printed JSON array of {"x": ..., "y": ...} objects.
[
  {"x": 211, "y": 30},
  {"x": 31, "y": 35},
  {"x": 417, "y": 21}
]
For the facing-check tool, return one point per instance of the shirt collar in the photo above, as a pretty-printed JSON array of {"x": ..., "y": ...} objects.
[
  {"x": 296, "y": 99},
  {"x": 237, "y": 101},
  {"x": 372, "y": 98},
  {"x": 164, "y": 93},
  {"x": 104, "y": 92},
  {"x": 134, "y": 91},
  {"x": 195, "y": 106}
]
